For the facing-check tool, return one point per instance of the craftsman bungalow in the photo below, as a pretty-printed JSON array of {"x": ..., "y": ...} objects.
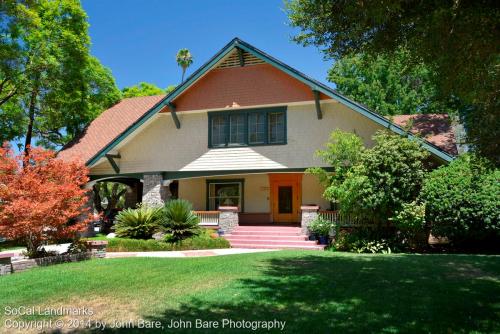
[{"x": 235, "y": 139}]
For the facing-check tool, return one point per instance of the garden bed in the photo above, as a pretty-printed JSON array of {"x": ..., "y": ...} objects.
[{"x": 202, "y": 241}]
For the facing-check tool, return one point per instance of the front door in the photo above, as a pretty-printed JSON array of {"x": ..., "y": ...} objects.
[{"x": 285, "y": 197}]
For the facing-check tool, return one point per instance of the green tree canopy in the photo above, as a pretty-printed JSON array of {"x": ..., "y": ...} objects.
[
  {"x": 52, "y": 85},
  {"x": 390, "y": 84},
  {"x": 374, "y": 182},
  {"x": 145, "y": 89},
  {"x": 458, "y": 40}
]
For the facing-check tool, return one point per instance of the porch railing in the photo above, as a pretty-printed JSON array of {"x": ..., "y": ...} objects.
[
  {"x": 343, "y": 220},
  {"x": 210, "y": 218}
]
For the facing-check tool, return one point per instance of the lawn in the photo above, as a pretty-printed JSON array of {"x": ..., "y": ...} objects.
[{"x": 316, "y": 292}]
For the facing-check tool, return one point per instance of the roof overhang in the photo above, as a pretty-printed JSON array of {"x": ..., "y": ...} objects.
[{"x": 315, "y": 85}]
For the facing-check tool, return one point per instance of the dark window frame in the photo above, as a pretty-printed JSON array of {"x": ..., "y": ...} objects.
[
  {"x": 246, "y": 112},
  {"x": 220, "y": 181}
]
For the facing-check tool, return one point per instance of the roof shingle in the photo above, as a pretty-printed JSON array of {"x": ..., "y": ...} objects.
[
  {"x": 109, "y": 125},
  {"x": 435, "y": 128}
]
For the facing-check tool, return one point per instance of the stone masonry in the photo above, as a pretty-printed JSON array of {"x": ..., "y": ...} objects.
[
  {"x": 309, "y": 214},
  {"x": 228, "y": 218},
  {"x": 153, "y": 193}
]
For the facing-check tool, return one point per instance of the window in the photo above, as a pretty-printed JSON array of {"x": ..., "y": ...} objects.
[
  {"x": 247, "y": 127},
  {"x": 256, "y": 128},
  {"x": 224, "y": 193},
  {"x": 276, "y": 127},
  {"x": 237, "y": 129},
  {"x": 218, "y": 125}
]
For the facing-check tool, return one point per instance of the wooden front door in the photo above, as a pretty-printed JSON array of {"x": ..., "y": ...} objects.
[{"x": 286, "y": 194}]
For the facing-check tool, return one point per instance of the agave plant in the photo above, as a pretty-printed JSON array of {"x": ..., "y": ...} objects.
[
  {"x": 139, "y": 223},
  {"x": 179, "y": 220}
]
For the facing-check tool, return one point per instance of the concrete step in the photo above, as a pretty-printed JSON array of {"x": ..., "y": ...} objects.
[
  {"x": 249, "y": 233},
  {"x": 273, "y": 242},
  {"x": 275, "y": 246},
  {"x": 265, "y": 237},
  {"x": 264, "y": 228}
]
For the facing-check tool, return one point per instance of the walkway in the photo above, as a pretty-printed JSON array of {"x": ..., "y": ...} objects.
[{"x": 189, "y": 253}]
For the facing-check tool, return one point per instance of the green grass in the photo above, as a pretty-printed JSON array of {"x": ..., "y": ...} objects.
[{"x": 316, "y": 292}]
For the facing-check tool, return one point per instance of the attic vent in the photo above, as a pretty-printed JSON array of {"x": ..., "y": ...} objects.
[{"x": 233, "y": 60}]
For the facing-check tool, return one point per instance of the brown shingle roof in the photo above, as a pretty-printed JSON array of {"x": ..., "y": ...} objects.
[
  {"x": 109, "y": 125},
  {"x": 435, "y": 128}
]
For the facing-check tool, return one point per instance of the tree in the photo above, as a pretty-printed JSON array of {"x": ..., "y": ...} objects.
[
  {"x": 142, "y": 89},
  {"x": 458, "y": 40},
  {"x": 342, "y": 152},
  {"x": 58, "y": 87},
  {"x": 380, "y": 179},
  {"x": 390, "y": 84},
  {"x": 462, "y": 199},
  {"x": 44, "y": 201},
  {"x": 113, "y": 194},
  {"x": 184, "y": 60}
]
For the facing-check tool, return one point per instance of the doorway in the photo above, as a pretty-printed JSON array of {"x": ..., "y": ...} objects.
[{"x": 285, "y": 199}]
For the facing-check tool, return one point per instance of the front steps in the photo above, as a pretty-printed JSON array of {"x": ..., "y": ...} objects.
[{"x": 277, "y": 237}]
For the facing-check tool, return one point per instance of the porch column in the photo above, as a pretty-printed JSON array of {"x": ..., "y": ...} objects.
[
  {"x": 228, "y": 218},
  {"x": 309, "y": 214},
  {"x": 153, "y": 193}
]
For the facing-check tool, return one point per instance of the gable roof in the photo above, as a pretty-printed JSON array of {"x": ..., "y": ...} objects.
[
  {"x": 237, "y": 43},
  {"x": 435, "y": 128},
  {"x": 108, "y": 126}
]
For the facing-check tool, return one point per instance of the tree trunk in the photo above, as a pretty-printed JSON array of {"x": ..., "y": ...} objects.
[{"x": 31, "y": 115}]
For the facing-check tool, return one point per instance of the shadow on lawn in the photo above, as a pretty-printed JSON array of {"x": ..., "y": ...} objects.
[{"x": 325, "y": 294}]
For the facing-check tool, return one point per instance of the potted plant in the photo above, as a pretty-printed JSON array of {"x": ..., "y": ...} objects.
[{"x": 321, "y": 228}]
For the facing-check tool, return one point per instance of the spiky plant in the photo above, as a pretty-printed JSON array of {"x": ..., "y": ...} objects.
[
  {"x": 180, "y": 220},
  {"x": 139, "y": 223},
  {"x": 184, "y": 60}
]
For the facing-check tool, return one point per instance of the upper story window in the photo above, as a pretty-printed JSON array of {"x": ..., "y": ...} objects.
[{"x": 265, "y": 126}]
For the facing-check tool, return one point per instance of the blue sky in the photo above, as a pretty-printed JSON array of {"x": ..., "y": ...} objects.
[{"x": 138, "y": 40}]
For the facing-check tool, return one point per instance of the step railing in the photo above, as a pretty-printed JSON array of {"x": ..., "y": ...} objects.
[
  {"x": 208, "y": 218},
  {"x": 343, "y": 220}
]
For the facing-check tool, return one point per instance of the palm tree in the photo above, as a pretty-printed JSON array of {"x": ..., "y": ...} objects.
[{"x": 184, "y": 59}]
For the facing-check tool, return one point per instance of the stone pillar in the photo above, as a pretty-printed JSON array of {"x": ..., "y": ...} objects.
[
  {"x": 309, "y": 213},
  {"x": 228, "y": 218},
  {"x": 5, "y": 263},
  {"x": 153, "y": 193},
  {"x": 97, "y": 248}
]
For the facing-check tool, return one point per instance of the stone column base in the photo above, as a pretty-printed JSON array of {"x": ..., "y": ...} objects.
[
  {"x": 228, "y": 218},
  {"x": 309, "y": 214}
]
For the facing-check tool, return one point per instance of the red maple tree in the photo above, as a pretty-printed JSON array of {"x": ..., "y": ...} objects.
[{"x": 41, "y": 198}]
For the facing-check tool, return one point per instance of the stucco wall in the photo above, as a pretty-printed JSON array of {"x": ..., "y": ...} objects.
[
  {"x": 256, "y": 191},
  {"x": 162, "y": 147},
  {"x": 312, "y": 192}
]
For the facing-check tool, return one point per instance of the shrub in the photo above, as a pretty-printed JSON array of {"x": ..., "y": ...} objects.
[
  {"x": 201, "y": 241},
  {"x": 139, "y": 223},
  {"x": 374, "y": 182},
  {"x": 462, "y": 199},
  {"x": 320, "y": 226},
  {"x": 410, "y": 221},
  {"x": 42, "y": 198},
  {"x": 364, "y": 240},
  {"x": 180, "y": 220}
]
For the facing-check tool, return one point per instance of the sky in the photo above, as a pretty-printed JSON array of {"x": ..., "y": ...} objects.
[{"x": 138, "y": 39}]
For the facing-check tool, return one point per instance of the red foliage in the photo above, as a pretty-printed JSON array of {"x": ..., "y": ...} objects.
[{"x": 41, "y": 201}]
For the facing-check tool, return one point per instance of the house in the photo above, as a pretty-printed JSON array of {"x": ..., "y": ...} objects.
[{"x": 235, "y": 139}]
